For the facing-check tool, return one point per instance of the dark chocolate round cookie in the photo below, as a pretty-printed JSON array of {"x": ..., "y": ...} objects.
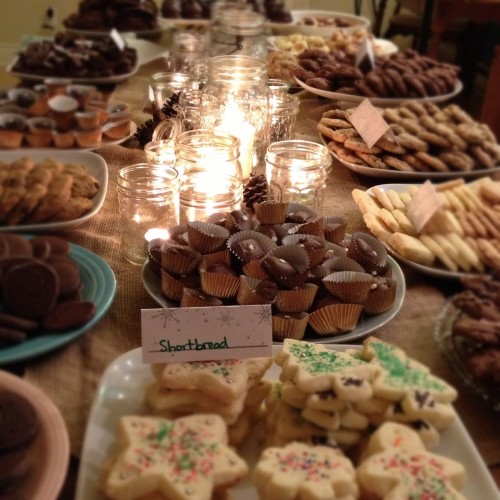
[
  {"x": 18, "y": 421},
  {"x": 17, "y": 245},
  {"x": 68, "y": 316},
  {"x": 58, "y": 246},
  {"x": 30, "y": 289},
  {"x": 68, "y": 274}
]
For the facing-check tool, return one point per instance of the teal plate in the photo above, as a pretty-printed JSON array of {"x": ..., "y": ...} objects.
[{"x": 99, "y": 287}]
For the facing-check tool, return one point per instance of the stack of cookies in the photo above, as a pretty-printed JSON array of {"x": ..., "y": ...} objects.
[
  {"x": 335, "y": 396},
  {"x": 463, "y": 235},
  {"x": 424, "y": 138},
  {"x": 232, "y": 389}
]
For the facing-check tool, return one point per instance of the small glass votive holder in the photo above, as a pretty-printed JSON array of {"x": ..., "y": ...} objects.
[
  {"x": 277, "y": 86},
  {"x": 162, "y": 85},
  {"x": 283, "y": 111},
  {"x": 160, "y": 152},
  {"x": 189, "y": 49},
  {"x": 205, "y": 193},
  {"x": 148, "y": 198},
  {"x": 296, "y": 171}
]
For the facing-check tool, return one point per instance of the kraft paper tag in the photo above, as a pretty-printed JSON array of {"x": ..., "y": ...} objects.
[
  {"x": 365, "y": 58},
  {"x": 184, "y": 334},
  {"x": 424, "y": 204},
  {"x": 369, "y": 123},
  {"x": 118, "y": 39}
]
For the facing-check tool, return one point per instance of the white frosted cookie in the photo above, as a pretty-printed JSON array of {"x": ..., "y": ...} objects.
[
  {"x": 302, "y": 471},
  {"x": 399, "y": 467},
  {"x": 180, "y": 459}
]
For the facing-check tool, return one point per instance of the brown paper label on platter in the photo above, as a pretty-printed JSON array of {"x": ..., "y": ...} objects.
[
  {"x": 423, "y": 206},
  {"x": 369, "y": 123}
]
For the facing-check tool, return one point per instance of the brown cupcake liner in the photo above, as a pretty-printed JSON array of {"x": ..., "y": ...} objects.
[
  {"x": 286, "y": 229},
  {"x": 336, "y": 264},
  {"x": 248, "y": 293},
  {"x": 349, "y": 286},
  {"x": 253, "y": 269},
  {"x": 295, "y": 207},
  {"x": 271, "y": 212},
  {"x": 171, "y": 286},
  {"x": 207, "y": 237},
  {"x": 178, "y": 263},
  {"x": 290, "y": 326},
  {"x": 266, "y": 243},
  {"x": 369, "y": 263},
  {"x": 381, "y": 300},
  {"x": 238, "y": 220},
  {"x": 316, "y": 256},
  {"x": 335, "y": 234},
  {"x": 179, "y": 234},
  {"x": 220, "y": 257},
  {"x": 315, "y": 227},
  {"x": 335, "y": 250},
  {"x": 335, "y": 319},
  {"x": 194, "y": 298},
  {"x": 296, "y": 300},
  {"x": 222, "y": 286},
  {"x": 298, "y": 258}
]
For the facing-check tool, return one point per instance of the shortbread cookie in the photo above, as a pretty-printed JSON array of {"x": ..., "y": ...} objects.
[
  {"x": 223, "y": 380},
  {"x": 184, "y": 459},
  {"x": 404, "y": 469},
  {"x": 302, "y": 471}
]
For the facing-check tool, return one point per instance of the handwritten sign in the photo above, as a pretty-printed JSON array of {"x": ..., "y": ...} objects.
[
  {"x": 365, "y": 58},
  {"x": 424, "y": 204},
  {"x": 369, "y": 123},
  {"x": 117, "y": 38},
  {"x": 172, "y": 335}
]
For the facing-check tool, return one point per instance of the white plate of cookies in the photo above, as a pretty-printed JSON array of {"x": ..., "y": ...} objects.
[
  {"x": 54, "y": 191},
  {"x": 126, "y": 384},
  {"x": 462, "y": 237}
]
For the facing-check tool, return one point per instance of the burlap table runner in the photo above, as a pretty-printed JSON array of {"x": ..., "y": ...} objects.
[{"x": 70, "y": 375}]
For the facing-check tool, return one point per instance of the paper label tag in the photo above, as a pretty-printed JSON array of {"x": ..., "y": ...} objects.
[
  {"x": 365, "y": 58},
  {"x": 182, "y": 334},
  {"x": 369, "y": 123},
  {"x": 424, "y": 204},
  {"x": 118, "y": 39}
]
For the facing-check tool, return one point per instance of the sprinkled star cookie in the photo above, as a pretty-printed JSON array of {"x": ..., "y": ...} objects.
[
  {"x": 400, "y": 467},
  {"x": 302, "y": 471},
  {"x": 315, "y": 368},
  {"x": 183, "y": 459}
]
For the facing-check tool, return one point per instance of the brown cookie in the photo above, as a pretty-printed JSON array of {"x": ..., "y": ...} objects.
[
  {"x": 10, "y": 198},
  {"x": 17, "y": 245},
  {"x": 390, "y": 146},
  {"x": 432, "y": 161},
  {"x": 435, "y": 139},
  {"x": 397, "y": 163},
  {"x": 30, "y": 289},
  {"x": 412, "y": 143},
  {"x": 19, "y": 421},
  {"x": 58, "y": 245},
  {"x": 417, "y": 164},
  {"x": 360, "y": 145},
  {"x": 17, "y": 322},
  {"x": 457, "y": 160},
  {"x": 85, "y": 186},
  {"x": 75, "y": 208},
  {"x": 482, "y": 156},
  {"x": 69, "y": 315},
  {"x": 28, "y": 203},
  {"x": 39, "y": 175},
  {"x": 68, "y": 274},
  {"x": 372, "y": 160}
]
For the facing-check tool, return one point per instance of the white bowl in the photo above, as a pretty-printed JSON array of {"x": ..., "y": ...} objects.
[{"x": 354, "y": 23}]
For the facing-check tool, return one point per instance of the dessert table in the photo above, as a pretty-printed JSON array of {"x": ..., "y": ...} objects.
[{"x": 70, "y": 375}]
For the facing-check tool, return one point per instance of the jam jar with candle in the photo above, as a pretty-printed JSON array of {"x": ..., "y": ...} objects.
[
  {"x": 236, "y": 100},
  {"x": 296, "y": 171}
]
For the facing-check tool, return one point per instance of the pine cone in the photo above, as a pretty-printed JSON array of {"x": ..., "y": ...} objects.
[
  {"x": 255, "y": 190},
  {"x": 171, "y": 106},
  {"x": 145, "y": 131}
]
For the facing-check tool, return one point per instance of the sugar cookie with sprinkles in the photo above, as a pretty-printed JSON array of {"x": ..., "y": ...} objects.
[
  {"x": 183, "y": 459},
  {"x": 397, "y": 466},
  {"x": 315, "y": 368},
  {"x": 300, "y": 471}
]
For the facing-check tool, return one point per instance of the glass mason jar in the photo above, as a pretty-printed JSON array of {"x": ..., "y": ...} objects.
[
  {"x": 148, "y": 199},
  {"x": 283, "y": 113},
  {"x": 163, "y": 84},
  {"x": 236, "y": 100},
  {"x": 296, "y": 171},
  {"x": 239, "y": 33}
]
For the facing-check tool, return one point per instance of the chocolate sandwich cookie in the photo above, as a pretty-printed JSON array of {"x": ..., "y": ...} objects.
[
  {"x": 16, "y": 245},
  {"x": 68, "y": 316},
  {"x": 30, "y": 289},
  {"x": 68, "y": 274},
  {"x": 19, "y": 421},
  {"x": 58, "y": 246}
]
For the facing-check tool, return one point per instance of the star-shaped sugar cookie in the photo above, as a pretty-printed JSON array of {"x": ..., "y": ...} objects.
[
  {"x": 183, "y": 459},
  {"x": 315, "y": 368},
  {"x": 299, "y": 470},
  {"x": 401, "y": 374},
  {"x": 223, "y": 380}
]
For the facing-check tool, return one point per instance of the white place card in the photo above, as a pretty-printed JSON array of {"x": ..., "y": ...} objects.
[
  {"x": 369, "y": 123},
  {"x": 181, "y": 334},
  {"x": 424, "y": 204},
  {"x": 118, "y": 39}
]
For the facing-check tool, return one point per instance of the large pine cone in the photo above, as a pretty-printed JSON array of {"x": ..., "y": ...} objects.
[{"x": 255, "y": 190}]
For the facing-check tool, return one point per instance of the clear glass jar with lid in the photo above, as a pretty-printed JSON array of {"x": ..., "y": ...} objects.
[
  {"x": 236, "y": 100},
  {"x": 239, "y": 32},
  {"x": 296, "y": 171}
]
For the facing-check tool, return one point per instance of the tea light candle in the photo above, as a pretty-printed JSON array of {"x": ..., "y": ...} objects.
[{"x": 157, "y": 233}]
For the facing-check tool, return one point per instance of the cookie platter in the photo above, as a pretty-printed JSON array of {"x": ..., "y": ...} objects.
[
  {"x": 99, "y": 287},
  {"x": 49, "y": 452},
  {"x": 125, "y": 379},
  {"x": 366, "y": 325},
  {"x": 92, "y": 162}
]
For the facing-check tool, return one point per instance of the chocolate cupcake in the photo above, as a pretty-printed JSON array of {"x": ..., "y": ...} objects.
[
  {"x": 349, "y": 286},
  {"x": 249, "y": 245},
  {"x": 253, "y": 269},
  {"x": 335, "y": 319},
  {"x": 219, "y": 280},
  {"x": 253, "y": 291},
  {"x": 289, "y": 326},
  {"x": 335, "y": 228},
  {"x": 216, "y": 257},
  {"x": 195, "y": 298},
  {"x": 381, "y": 296},
  {"x": 173, "y": 285},
  {"x": 238, "y": 220},
  {"x": 313, "y": 245},
  {"x": 206, "y": 237},
  {"x": 298, "y": 213},
  {"x": 297, "y": 299},
  {"x": 287, "y": 265},
  {"x": 271, "y": 212},
  {"x": 179, "y": 259},
  {"x": 368, "y": 251}
]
